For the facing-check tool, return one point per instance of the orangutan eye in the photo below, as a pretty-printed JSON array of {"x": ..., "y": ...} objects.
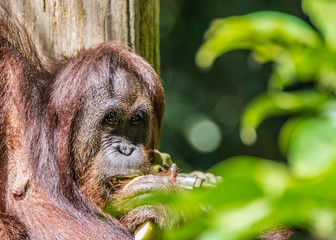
[
  {"x": 112, "y": 118},
  {"x": 136, "y": 119}
]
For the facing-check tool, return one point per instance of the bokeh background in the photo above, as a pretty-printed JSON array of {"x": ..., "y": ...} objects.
[{"x": 201, "y": 122}]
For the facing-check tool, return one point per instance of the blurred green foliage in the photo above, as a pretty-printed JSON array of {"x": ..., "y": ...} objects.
[
  {"x": 217, "y": 97},
  {"x": 258, "y": 195}
]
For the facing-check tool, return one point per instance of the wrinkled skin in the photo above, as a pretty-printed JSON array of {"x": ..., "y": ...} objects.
[
  {"x": 112, "y": 143},
  {"x": 112, "y": 134}
]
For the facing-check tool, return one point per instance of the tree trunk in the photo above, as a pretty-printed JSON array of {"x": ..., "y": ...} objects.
[{"x": 61, "y": 27}]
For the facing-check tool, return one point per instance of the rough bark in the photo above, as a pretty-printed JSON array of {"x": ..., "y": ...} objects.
[{"x": 61, "y": 27}]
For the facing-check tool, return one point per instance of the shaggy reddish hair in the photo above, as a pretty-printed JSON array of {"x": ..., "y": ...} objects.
[
  {"x": 39, "y": 101},
  {"x": 81, "y": 72}
]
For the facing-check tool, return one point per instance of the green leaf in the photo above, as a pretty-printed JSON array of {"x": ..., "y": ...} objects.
[
  {"x": 312, "y": 149},
  {"x": 287, "y": 132},
  {"x": 242, "y": 176},
  {"x": 322, "y": 14},
  {"x": 269, "y": 178},
  {"x": 266, "y": 33},
  {"x": 299, "y": 64},
  {"x": 274, "y": 105},
  {"x": 238, "y": 223}
]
